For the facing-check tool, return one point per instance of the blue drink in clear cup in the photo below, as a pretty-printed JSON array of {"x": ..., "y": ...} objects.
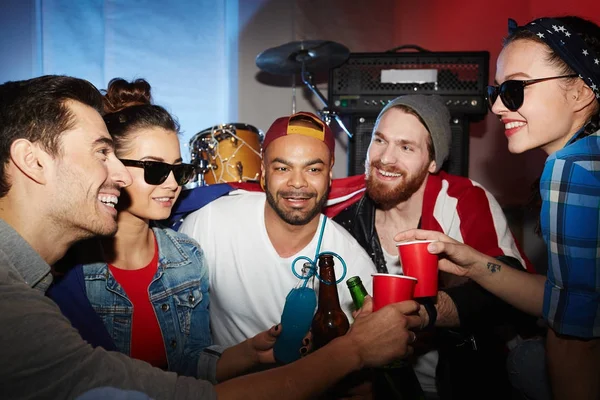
[{"x": 298, "y": 311}]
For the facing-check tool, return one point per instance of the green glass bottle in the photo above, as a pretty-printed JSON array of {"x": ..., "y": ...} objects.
[{"x": 357, "y": 291}]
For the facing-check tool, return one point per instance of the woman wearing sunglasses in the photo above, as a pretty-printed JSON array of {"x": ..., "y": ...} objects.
[
  {"x": 147, "y": 284},
  {"x": 547, "y": 97}
]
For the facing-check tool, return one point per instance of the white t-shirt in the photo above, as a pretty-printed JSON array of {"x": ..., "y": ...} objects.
[
  {"x": 249, "y": 281},
  {"x": 425, "y": 364}
]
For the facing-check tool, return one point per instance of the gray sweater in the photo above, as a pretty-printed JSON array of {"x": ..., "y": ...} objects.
[{"x": 43, "y": 356}]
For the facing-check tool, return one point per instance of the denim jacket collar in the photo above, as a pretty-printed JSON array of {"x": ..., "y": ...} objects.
[{"x": 171, "y": 255}]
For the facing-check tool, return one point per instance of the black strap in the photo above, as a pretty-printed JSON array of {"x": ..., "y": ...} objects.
[{"x": 429, "y": 306}]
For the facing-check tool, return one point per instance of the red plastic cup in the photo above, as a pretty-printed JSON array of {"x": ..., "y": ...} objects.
[
  {"x": 419, "y": 263},
  {"x": 388, "y": 288}
]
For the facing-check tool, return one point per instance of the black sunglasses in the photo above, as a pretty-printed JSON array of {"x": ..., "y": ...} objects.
[
  {"x": 156, "y": 172},
  {"x": 512, "y": 93}
]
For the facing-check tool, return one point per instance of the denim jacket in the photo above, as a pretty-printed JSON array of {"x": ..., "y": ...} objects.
[{"x": 178, "y": 293}]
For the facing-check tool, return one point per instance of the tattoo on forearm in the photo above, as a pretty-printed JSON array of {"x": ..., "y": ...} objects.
[{"x": 493, "y": 267}]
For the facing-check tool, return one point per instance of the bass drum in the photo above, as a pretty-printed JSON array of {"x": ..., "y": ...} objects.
[{"x": 227, "y": 153}]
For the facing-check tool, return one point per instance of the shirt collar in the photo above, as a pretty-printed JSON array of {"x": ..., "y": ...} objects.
[{"x": 24, "y": 259}]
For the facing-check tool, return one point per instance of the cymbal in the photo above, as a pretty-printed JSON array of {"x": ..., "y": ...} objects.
[{"x": 288, "y": 58}]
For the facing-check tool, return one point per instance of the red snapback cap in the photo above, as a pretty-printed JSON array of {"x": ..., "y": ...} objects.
[{"x": 301, "y": 123}]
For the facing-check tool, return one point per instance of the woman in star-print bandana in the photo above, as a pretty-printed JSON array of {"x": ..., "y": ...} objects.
[{"x": 547, "y": 96}]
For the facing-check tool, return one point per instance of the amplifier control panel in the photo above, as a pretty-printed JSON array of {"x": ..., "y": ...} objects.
[{"x": 457, "y": 105}]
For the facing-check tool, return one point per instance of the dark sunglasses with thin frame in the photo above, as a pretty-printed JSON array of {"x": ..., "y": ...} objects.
[
  {"x": 156, "y": 172},
  {"x": 512, "y": 92}
]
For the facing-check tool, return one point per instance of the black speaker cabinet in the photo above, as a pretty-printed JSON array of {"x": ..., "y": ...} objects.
[{"x": 362, "y": 128}]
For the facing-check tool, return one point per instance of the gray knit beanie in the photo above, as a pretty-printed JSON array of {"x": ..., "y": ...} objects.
[{"x": 436, "y": 116}]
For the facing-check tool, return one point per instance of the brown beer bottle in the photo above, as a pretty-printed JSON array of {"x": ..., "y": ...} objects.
[{"x": 329, "y": 321}]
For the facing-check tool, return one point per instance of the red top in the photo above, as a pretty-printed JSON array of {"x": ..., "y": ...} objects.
[{"x": 146, "y": 338}]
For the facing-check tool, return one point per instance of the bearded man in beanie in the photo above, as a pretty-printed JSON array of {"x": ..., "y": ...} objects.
[{"x": 406, "y": 189}]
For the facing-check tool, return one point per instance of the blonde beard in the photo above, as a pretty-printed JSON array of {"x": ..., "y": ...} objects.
[{"x": 386, "y": 196}]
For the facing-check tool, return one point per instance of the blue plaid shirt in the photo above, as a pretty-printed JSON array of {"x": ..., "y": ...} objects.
[{"x": 570, "y": 222}]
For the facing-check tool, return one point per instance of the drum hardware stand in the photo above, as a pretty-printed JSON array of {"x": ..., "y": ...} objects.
[
  {"x": 293, "y": 95},
  {"x": 326, "y": 114},
  {"x": 201, "y": 168}
]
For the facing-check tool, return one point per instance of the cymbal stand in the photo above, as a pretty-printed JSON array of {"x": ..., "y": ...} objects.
[{"x": 326, "y": 113}]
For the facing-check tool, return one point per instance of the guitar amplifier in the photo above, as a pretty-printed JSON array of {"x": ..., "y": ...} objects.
[{"x": 366, "y": 82}]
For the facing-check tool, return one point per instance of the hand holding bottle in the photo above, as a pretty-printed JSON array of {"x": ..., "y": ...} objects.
[
  {"x": 295, "y": 321},
  {"x": 396, "y": 381},
  {"x": 261, "y": 345},
  {"x": 239, "y": 359},
  {"x": 382, "y": 337}
]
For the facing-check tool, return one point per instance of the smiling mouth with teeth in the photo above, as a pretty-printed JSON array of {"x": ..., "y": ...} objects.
[
  {"x": 296, "y": 195},
  {"x": 389, "y": 174},
  {"x": 515, "y": 124},
  {"x": 110, "y": 201}
]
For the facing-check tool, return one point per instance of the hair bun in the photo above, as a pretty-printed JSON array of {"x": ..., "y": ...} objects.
[{"x": 122, "y": 94}]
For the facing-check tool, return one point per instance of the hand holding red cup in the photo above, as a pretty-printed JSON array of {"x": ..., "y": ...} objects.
[{"x": 388, "y": 289}]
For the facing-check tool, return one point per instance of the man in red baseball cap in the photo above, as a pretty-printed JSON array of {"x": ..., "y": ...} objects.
[{"x": 300, "y": 147}]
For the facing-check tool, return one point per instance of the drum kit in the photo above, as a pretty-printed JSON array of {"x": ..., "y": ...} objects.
[{"x": 232, "y": 152}]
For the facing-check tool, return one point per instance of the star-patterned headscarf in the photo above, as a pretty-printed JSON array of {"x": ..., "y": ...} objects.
[{"x": 569, "y": 46}]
